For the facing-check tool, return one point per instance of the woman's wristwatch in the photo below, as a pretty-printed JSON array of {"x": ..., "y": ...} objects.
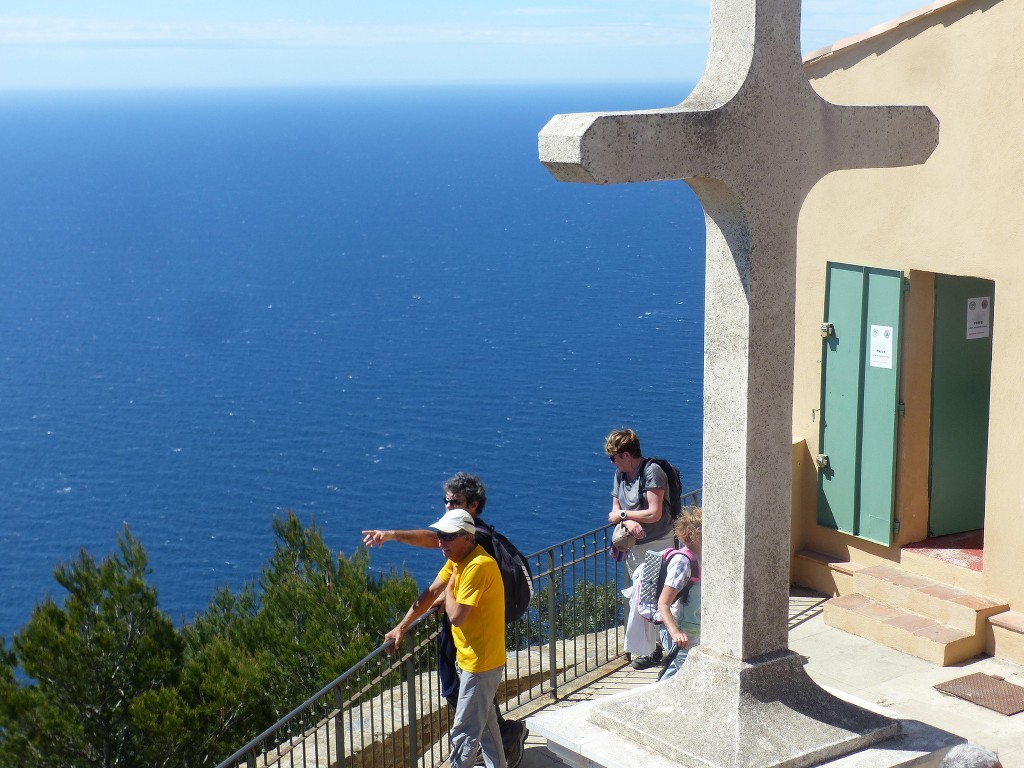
[{"x": 622, "y": 514}]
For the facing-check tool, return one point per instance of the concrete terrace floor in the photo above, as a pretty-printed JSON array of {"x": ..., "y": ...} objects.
[{"x": 856, "y": 666}]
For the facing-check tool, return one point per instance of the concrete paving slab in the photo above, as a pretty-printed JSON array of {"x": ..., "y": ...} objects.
[
  {"x": 583, "y": 744},
  {"x": 905, "y": 683},
  {"x": 861, "y": 668}
]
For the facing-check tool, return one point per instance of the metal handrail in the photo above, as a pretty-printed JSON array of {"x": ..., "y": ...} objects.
[
  {"x": 387, "y": 710},
  {"x": 328, "y": 689}
]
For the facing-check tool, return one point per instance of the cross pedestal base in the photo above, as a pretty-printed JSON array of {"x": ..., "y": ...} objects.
[{"x": 719, "y": 712}]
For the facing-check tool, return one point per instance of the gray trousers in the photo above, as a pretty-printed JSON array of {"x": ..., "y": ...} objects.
[{"x": 476, "y": 723}]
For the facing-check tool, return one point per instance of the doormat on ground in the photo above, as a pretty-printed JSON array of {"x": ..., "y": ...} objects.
[{"x": 986, "y": 691}]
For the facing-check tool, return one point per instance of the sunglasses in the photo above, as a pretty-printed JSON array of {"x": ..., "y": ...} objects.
[
  {"x": 454, "y": 502},
  {"x": 446, "y": 537}
]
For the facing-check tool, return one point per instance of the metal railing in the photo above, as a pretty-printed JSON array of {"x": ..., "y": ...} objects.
[{"x": 388, "y": 711}]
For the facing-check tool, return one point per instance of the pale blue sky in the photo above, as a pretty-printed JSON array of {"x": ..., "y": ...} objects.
[{"x": 201, "y": 43}]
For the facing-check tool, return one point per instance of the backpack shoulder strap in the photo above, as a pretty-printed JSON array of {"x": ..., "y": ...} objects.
[
  {"x": 485, "y": 536},
  {"x": 694, "y": 565},
  {"x": 671, "y": 552},
  {"x": 684, "y": 593},
  {"x": 643, "y": 476},
  {"x": 665, "y": 466},
  {"x": 666, "y": 560}
]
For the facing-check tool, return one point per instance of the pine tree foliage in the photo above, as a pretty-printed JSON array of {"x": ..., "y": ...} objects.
[
  {"x": 92, "y": 658},
  {"x": 320, "y": 613},
  {"x": 105, "y": 679}
]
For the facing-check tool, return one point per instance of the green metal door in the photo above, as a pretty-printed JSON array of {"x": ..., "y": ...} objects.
[
  {"x": 961, "y": 380},
  {"x": 859, "y": 400}
]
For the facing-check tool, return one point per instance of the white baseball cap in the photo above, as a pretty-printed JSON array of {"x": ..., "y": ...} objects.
[{"x": 455, "y": 521}]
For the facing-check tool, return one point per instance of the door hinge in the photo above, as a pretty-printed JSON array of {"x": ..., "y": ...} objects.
[
  {"x": 906, "y": 286},
  {"x": 901, "y": 409},
  {"x": 895, "y": 525}
]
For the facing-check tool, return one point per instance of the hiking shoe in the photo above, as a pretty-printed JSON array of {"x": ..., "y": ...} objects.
[
  {"x": 646, "y": 662},
  {"x": 514, "y": 751},
  {"x": 643, "y": 662}
]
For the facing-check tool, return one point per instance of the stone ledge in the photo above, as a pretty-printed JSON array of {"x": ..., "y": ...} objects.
[
  {"x": 824, "y": 573},
  {"x": 1010, "y": 620},
  {"x": 846, "y": 568},
  {"x": 818, "y": 557},
  {"x": 1008, "y": 636}
]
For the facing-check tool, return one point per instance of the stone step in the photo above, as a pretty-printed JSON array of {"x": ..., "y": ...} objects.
[
  {"x": 1008, "y": 635},
  {"x": 825, "y": 573},
  {"x": 902, "y": 629},
  {"x": 944, "y": 604},
  {"x": 911, "y": 613}
]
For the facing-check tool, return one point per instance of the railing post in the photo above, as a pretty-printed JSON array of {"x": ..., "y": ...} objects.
[
  {"x": 410, "y": 684},
  {"x": 339, "y": 729},
  {"x": 552, "y": 659}
]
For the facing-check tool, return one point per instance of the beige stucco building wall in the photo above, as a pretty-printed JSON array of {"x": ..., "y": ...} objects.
[{"x": 962, "y": 213}]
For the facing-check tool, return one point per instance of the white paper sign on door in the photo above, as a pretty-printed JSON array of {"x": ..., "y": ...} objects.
[
  {"x": 881, "y": 346},
  {"x": 978, "y": 313}
]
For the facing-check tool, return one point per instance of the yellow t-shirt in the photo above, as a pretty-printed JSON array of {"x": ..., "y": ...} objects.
[{"x": 480, "y": 641}]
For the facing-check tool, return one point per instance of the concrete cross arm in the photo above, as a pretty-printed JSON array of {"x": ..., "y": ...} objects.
[
  {"x": 878, "y": 136},
  {"x": 617, "y": 147},
  {"x": 724, "y": 143}
]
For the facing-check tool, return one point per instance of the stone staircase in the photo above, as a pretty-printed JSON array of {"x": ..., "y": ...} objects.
[{"x": 913, "y": 614}]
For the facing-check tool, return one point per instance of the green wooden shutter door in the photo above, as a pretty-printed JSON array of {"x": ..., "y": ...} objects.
[
  {"x": 859, "y": 400},
  {"x": 961, "y": 383}
]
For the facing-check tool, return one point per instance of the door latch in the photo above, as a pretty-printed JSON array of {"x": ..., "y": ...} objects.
[
  {"x": 827, "y": 329},
  {"x": 821, "y": 460}
]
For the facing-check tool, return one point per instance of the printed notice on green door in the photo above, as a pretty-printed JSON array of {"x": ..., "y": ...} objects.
[
  {"x": 978, "y": 317},
  {"x": 881, "y": 346}
]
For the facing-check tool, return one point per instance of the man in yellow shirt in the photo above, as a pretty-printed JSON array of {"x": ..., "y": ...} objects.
[
  {"x": 463, "y": 491},
  {"x": 474, "y": 600}
]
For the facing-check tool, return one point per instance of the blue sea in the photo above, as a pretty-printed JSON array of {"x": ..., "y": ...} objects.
[{"x": 217, "y": 306}]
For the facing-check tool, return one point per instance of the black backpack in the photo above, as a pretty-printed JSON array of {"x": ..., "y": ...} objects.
[
  {"x": 515, "y": 570},
  {"x": 674, "y": 494}
]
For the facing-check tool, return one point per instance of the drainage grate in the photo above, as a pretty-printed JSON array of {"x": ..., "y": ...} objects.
[{"x": 986, "y": 691}]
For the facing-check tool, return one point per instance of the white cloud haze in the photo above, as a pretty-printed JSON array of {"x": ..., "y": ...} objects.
[{"x": 188, "y": 44}]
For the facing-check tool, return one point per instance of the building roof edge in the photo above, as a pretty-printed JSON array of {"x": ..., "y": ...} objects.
[{"x": 880, "y": 29}]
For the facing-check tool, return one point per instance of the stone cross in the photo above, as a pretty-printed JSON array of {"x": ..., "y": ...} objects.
[{"x": 751, "y": 140}]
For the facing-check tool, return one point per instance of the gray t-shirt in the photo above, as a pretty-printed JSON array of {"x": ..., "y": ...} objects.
[{"x": 629, "y": 497}]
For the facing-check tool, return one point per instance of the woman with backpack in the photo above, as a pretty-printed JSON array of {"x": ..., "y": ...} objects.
[
  {"x": 679, "y": 600},
  {"x": 640, "y": 507}
]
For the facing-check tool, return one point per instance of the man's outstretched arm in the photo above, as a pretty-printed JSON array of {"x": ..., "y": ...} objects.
[{"x": 417, "y": 538}]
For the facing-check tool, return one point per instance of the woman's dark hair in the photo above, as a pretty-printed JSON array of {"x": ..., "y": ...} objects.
[{"x": 470, "y": 487}]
